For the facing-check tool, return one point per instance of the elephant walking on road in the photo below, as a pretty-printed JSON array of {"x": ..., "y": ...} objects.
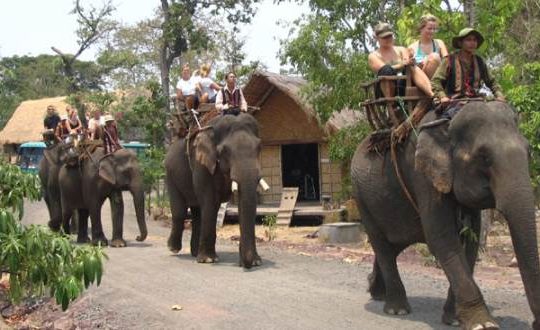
[
  {"x": 477, "y": 161},
  {"x": 202, "y": 172},
  {"x": 85, "y": 184}
]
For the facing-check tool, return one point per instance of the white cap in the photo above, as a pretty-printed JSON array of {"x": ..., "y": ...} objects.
[{"x": 63, "y": 117}]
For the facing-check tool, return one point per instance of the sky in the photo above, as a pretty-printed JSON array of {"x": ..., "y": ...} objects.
[{"x": 31, "y": 27}]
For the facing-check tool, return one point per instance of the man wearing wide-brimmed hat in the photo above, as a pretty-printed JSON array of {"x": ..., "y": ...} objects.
[
  {"x": 110, "y": 135},
  {"x": 462, "y": 73}
]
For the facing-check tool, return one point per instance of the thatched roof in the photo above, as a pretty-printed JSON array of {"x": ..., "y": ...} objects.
[
  {"x": 262, "y": 83},
  {"x": 26, "y": 124}
]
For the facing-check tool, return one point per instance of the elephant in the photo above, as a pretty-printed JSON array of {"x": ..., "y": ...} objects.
[
  {"x": 202, "y": 171},
  {"x": 440, "y": 179},
  {"x": 86, "y": 182},
  {"x": 49, "y": 167}
]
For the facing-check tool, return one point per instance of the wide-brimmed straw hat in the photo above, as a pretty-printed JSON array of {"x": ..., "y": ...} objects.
[
  {"x": 108, "y": 118},
  {"x": 456, "y": 41}
]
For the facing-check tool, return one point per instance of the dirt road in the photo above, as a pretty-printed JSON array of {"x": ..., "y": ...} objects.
[{"x": 291, "y": 290}]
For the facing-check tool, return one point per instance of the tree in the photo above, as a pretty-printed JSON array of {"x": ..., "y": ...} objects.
[
  {"x": 182, "y": 30},
  {"x": 35, "y": 258},
  {"x": 93, "y": 25}
]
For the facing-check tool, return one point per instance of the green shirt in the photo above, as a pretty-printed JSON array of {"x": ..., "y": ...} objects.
[{"x": 438, "y": 82}]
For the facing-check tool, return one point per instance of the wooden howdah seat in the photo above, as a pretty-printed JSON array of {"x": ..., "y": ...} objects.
[{"x": 384, "y": 113}]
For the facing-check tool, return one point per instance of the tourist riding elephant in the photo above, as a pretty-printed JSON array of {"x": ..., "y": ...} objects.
[
  {"x": 85, "y": 184},
  {"x": 221, "y": 158},
  {"x": 448, "y": 174}
]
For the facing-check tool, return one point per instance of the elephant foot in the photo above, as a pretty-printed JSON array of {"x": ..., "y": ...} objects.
[
  {"x": 54, "y": 226},
  {"x": 100, "y": 241},
  {"x": 83, "y": 239},
  {"x": 376, "y": 287},
  {"x": 477, "y": 319},
  {"x": 397, "y": 307},
  {"x": 206, "y": 259},
  {"x": 175, "y": 245},
  {"x": 450, "y": 319},
  {"x": 118, "y": 242},
  {"x": 257, "y": 261}
]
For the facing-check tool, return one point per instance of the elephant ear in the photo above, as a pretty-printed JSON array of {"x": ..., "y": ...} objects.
[
  {"x": 205, "y": 150},
  {"x": 433, "y": 157},
  {"x": 107, "y": 170}
]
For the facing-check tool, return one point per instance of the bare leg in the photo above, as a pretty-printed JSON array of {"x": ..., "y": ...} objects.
[
  {"x": 432, "y": 63},
  {"x": 204, "y": 98},
  {"x": 421, "y": 80}
]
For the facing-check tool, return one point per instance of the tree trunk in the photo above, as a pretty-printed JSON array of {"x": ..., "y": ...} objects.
[{"x": 469, "y": 8}]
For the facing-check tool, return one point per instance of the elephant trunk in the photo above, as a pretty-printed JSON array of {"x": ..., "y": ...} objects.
[
  {"x": 138, "y": 201},
  {"x": 247, "y": 210},
  {"x": 514, "y": 198}
]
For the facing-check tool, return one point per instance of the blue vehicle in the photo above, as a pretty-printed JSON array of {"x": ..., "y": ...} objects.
[
  {"x": 137, "y": 147},
  {"x": 29, "y": 156}
]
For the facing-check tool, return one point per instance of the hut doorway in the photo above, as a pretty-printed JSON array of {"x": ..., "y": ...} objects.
[{"x": 300, "y": 166}]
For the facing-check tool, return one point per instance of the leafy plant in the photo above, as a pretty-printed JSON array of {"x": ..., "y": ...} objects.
[
  {"x": 36, "y": 258},
  {"x": 270, "y": 224}
]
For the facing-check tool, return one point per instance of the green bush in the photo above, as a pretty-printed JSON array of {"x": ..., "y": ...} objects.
[{"x": 36, "y": 258}]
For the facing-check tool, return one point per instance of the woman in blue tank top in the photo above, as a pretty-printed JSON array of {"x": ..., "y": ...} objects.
[{"x": 428, "y": 51}]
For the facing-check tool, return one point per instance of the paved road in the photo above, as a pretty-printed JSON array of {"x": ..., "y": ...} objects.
[{"x": 289, "y": 291}]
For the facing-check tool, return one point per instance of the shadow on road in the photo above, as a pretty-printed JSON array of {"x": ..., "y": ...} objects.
[{"x": 422, "y": 311}]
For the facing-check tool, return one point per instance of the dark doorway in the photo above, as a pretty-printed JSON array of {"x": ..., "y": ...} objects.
[{"x": 300, "y": 165}]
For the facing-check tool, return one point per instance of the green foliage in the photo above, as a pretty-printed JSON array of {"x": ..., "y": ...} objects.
[
  {"x": 270, "y": 222},
  {"x": 149, "y": 113},
  {"x": 35, "y": 258},
  {"x": 343, "y": 144},
  {"x": 523, "y": 91},
  {"x": 152, "y": 166},
  {"x": 332, "y": 69}
]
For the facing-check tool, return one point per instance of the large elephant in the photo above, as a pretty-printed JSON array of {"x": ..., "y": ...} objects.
[
  {"x": 85, "y": 184},
  {"x": 49, "y": 167},
  {"x": 449, "y": 173},
  {"x": 201, "y": 174}
]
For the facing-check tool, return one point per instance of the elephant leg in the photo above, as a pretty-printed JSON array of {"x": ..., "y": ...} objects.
[
  {"x": 473, "y": 220},
  {"x": 98, "y": 237},
  {"x": 376, "y": 288},
  {"x": 442, "y": 238},
  {"x": 195, "y": 230},
  {"x": 179, "y": 215},
  {"x": 67, "y": 214},
  {"x": 55, "y": 212},
  {"x": 117, "y": 214},
  {"x": 207, "y": 243},
  {"x": 82, "y": 236},
  {"x": 385, "y": 256},
  {"x": 74, "y": 222}
]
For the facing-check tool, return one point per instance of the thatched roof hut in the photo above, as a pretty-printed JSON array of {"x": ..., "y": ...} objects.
[
  {"x": 295, "y": 148},
  {"x": 26, "y": 123}
]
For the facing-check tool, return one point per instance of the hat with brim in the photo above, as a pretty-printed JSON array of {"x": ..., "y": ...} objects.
[
  {"x": 383, "y": 30},
  {"x": 109, "y": 118},
  {"x": 456, "y": 41}
]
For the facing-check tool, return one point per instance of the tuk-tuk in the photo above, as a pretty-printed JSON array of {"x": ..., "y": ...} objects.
[{"x": 29, "y": 155}]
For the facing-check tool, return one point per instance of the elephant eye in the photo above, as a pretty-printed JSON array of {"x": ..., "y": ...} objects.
[{"x": 484, "y": 156}]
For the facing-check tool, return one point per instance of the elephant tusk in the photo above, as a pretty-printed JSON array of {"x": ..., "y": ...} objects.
[
  {"x": 234, "y": 186},
  {"x": 264, "y": 185}
]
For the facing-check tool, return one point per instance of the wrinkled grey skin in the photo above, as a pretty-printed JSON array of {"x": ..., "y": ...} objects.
[
  {"x": 229, "y": 150},
  {"x": 479, "y": 161},
  {"x": 82, "y": 188},
  {"x": 49, "y": 167}
]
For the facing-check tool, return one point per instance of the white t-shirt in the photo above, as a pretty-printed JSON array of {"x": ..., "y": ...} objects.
[
  {"x": 187, "y": 86},
  {"x": 206, "y": 82}
]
